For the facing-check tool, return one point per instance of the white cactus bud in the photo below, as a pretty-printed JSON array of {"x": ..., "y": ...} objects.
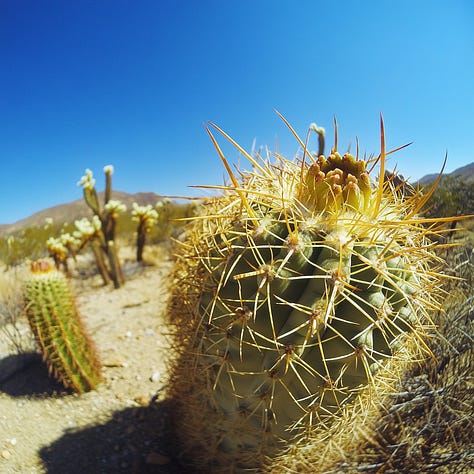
[
  {"x": 87, "y": 181},
  {"x": 115, "y": 207},
  {"x": 108, "y": 169},
  {"x": 145, "y": 214}
]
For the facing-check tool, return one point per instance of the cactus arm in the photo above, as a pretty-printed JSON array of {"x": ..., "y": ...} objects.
[
  {"x": 92, "y": 200},
  {"x": 108, "y": 170}
]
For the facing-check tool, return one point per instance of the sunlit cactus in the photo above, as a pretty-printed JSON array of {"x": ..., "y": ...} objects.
[
  {"x": 61, "y": 248},
  {"x": 164, "y": 209},
  {"x": 296, "y": 288},
  {"x": 146, "y": 217},
  {"x": 58, "y": 329},
  {"x": 89, "y": 232},
  {"x": 57, "y": 251},
  {"x": 107, "y": 216}
]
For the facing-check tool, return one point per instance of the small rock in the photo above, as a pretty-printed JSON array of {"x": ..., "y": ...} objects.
[
  {"x": 13, "y": 441},
  {"x": 142, "y": 400},
  {"x": 157, "y": 459},
  {"x": 113, "y": 363},
  {"x": 149, "y": 332},
  {"x": 155, "y": 377},
  {"x": 128, "y": 334},
  {"x": 6, "y": 454}
]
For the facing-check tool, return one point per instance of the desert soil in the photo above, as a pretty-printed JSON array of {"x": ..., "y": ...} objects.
[{"x": 118, "y": 428}]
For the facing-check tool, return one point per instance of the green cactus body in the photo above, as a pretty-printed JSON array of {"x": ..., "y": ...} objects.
[
  {"x": 293, "y": 289},
  {"x": 58, "y": 329}
]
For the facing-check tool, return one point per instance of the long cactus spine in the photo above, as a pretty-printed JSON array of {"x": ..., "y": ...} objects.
[
  {"x": 294, "y": 288},
  {"x": 58, "y": 329}
]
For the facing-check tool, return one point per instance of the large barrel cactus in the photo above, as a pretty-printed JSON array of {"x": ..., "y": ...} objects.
[{"x": 293, "y": 289}]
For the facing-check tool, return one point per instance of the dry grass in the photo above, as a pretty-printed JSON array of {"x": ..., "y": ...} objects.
[{"x": 10, "y": 294}]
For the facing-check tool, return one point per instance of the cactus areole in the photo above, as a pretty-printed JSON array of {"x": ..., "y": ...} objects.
[{"x": 295, "y": 285}]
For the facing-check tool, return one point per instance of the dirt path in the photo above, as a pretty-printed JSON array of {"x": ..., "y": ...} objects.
[{"x": 119, "y": 427}]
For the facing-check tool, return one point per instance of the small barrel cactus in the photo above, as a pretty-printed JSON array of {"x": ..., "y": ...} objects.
[
  {"x": 58, "y": 328},
  {"x": 292, "y": 290}
]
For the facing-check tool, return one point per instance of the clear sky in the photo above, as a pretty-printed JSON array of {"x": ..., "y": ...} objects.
[{"x": 86, "y": 83}]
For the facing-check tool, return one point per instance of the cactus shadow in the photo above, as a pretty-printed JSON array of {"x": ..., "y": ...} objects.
[
  {"x": 27, "y": 375},
  {"x": 133, "y": 441}
]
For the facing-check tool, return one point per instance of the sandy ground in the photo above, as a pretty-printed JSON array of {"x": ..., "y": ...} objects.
[
  {"x": 122, "y": 426},
  {"x": 118, "y": 428}
]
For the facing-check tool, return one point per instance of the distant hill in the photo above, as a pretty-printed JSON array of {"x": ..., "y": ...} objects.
[
  {"x": 465, "y": 172},
  {"x": 71, "y": 211},
  {"x": 75, "y": 210}
]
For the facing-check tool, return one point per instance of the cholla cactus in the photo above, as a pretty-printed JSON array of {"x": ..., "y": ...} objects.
[
  {"x": 87, "y": 229},
  {"x": 295, "y": 290},
  {"x": 90, "y": 232},
  {"x": 87, "y": 181},
  {"x": 70, "y": 242},
  {"x": 57, "y": 251},
  {"x": 62, "y": 247},
  {"x": 164, "y": 209},
  {"x": 48, "y": 222},
  {"x": 146, "y": 217},
  {"x": 108, "y": 218},
  {"x": 114, "y": 208}
]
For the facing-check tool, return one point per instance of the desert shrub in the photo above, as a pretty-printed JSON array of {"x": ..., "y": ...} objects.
[
  {"x": 454, "y": 196},
  {"x": 28, "y": 244},
  {"x": 11, "y": 298},
  {"x": 170, "y": 223}
]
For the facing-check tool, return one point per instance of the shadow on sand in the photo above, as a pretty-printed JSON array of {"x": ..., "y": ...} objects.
[
  {"x": 31, "y": 377},
  {"x": 132, "y": 442}
]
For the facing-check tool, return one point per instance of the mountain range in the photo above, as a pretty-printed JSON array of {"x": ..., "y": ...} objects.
[
  {"x": 465, "y": 172},
  {"x": 71, "y": 211},
  {"x": 75, "y": 210}
]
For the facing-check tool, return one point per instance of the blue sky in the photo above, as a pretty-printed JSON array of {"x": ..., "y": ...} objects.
[{"x": 130, "y": 83}]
